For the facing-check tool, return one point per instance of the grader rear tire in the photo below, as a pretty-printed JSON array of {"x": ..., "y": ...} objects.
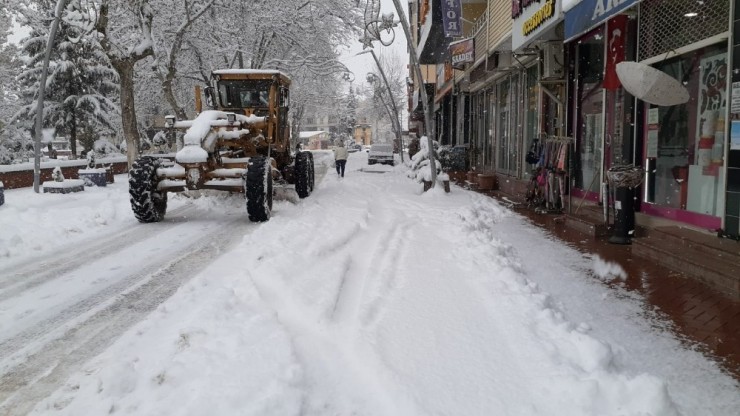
[
  {"x": 258, "y": 189},
  {"x": 303, "y": 174},
  {"x": 312, "y": 175},
  {"x": 148, "y": 203}
]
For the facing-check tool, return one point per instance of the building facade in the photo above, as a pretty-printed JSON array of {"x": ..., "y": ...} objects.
[{"x": 544, "y": 71}]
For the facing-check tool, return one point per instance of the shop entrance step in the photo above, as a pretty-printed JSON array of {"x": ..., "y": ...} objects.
[{"x": 711, "y": 259}]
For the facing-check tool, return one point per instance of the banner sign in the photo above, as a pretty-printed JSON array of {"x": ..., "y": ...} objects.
[
  {"x": 585, "y": 15},
  {"x": 531, "y": 18},
  {"x": 452, "y": 17},
  {"x": 462, "y": 52}
]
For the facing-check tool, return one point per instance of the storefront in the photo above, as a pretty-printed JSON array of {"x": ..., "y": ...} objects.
[
  {"x": 732, "y": 196},
  {"x": 599, "y": 35},
  {"x": 539, "y": 87},
  {"x": 685, "y": 146}
]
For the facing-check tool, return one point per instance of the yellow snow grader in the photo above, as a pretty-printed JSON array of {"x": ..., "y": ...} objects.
[{"x": 240, "y": 144}]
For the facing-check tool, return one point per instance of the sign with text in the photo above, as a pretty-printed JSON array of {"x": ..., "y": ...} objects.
[
  {"x": 585, "y": 15},
  {"x": 462, "y": 52},
  {"x": 735, "y": 99},
  {"x": 531, "y": 18},
  {"x": 452, "y": 17}
]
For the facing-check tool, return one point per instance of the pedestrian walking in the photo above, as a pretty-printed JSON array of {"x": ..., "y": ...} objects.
[{"x": 340, "y": 158}]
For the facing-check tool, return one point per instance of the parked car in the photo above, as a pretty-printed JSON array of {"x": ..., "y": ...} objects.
[{"x": 381, "y": 153}]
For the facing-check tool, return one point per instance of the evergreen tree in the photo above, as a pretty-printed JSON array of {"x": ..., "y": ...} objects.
[
  {"x": 80, "y": 81},
  {"x": 348, "y": 117}
]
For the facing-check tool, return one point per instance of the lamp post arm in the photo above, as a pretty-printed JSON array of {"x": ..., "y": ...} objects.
[
  {"x": 396, "y": 121},
  {"x": 422, "y": 90}
]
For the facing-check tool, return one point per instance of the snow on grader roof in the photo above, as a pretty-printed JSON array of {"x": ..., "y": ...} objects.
[{"x": 250, "y": 72}]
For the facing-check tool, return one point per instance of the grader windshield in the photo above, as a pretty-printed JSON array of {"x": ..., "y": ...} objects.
[{"x": 239, "y": 94}]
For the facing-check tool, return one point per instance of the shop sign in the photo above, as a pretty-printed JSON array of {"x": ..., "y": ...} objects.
[
  {"x": 531, "y": 18},
  {"x": 735, "y": 135},
  {"x": 462, "y": 52},
  {"x": 589, "y": 13},
  {"x": 735, "y": 103},
  {"x": 452, "y": 17},
  {"x": 652, "y": 136}
]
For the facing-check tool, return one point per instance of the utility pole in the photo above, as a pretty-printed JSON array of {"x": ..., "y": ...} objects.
[
  {"x": 422, "y": 91},
  {"x": 40, "y": 101},
  {"x": 395, "y": 120}
]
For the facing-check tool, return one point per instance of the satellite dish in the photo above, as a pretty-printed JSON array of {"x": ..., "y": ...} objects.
[{"x": 651, "y": 85}]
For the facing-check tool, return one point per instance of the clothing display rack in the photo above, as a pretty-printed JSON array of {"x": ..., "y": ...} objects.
[{"x": 552, "y": 172}]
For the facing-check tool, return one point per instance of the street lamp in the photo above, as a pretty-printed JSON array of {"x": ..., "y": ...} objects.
[
  {"x": 40, "y": 98},
  {"x": 395, "y": 116},
  {"x": 349, "y": 76},
  {"x": 374, "y": 27}
]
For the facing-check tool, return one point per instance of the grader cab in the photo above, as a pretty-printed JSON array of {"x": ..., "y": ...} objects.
[{"x": 240, "y": 144}]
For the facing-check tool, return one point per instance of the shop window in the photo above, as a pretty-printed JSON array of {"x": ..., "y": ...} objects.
[
  {"x": 531, "y": 105},
  {"x": 507, "y": 125},
  {"x": 684, "y": 144}
]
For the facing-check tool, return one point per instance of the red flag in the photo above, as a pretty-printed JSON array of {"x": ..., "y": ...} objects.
[{"x": 616, "y": 32}]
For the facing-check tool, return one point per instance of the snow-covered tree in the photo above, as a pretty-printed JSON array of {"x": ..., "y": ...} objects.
[
  {"x": 80, "y": 82},
  {"x": 420, "y": 166},
  {"x": 348, "y": 112},
  {"x": 16, "y": 143},
  {"x": 124, "y": 31},
  {"x": 169, "y": 51}
]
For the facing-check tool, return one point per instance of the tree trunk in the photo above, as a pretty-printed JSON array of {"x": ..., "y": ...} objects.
[
  {"x": 128, "y": 110},
  {"x": 73, "y": 137},
  {"x": 169, "y": 95}
]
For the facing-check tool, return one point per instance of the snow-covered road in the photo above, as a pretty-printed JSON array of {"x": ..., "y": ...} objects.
[{"x": 367, "y": 298}]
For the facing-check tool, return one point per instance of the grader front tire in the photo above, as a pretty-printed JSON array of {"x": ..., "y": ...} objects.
[
  {"x": 258, "y": 189},
  {"x": 147, "y": 202}
]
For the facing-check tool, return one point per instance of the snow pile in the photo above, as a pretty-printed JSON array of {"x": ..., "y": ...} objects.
[{"x": 607, "y": 271}]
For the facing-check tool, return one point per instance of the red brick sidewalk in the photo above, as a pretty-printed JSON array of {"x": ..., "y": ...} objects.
[{"x": 700, "y": 315}]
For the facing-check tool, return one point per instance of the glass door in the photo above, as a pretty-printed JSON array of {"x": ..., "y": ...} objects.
[{"x": 589, "y": 112}]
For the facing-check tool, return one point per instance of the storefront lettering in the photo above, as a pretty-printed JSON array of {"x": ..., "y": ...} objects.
[
  {"x": 465, "y": 57},
  {"x": 546, "y": 12},
  {"x": 605, "y": 6},
  {"x": 518, "y": 6}
]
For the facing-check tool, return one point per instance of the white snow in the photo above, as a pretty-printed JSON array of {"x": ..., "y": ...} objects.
[
  {"x": 237, "y": 71},
  {"x": 67, "y": 183},
  {"x": 191, "y": 153},
  {"x": 371, "y": 298},
  {"x": 200, "y": 127}
]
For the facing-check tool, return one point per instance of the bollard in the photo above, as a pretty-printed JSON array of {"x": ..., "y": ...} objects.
[{"x": 624, "y": 219}]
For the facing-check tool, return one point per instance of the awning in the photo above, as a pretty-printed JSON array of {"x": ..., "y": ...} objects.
[
  {"x": 588, "y": 14},
  {"x": 432, "y": 47}
]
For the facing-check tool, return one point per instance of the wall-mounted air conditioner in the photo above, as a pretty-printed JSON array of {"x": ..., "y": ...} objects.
[
  {"x": 552, "y": 61},
  {"x": 499, "y": 61}
]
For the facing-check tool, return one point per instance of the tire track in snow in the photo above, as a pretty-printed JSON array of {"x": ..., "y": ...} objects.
[
  {"x": 28, "y": 277},
  {"x": 360, "y": 296},
  {"x": 41, "y": 372},
  {"x": 387, "y": 276}
]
